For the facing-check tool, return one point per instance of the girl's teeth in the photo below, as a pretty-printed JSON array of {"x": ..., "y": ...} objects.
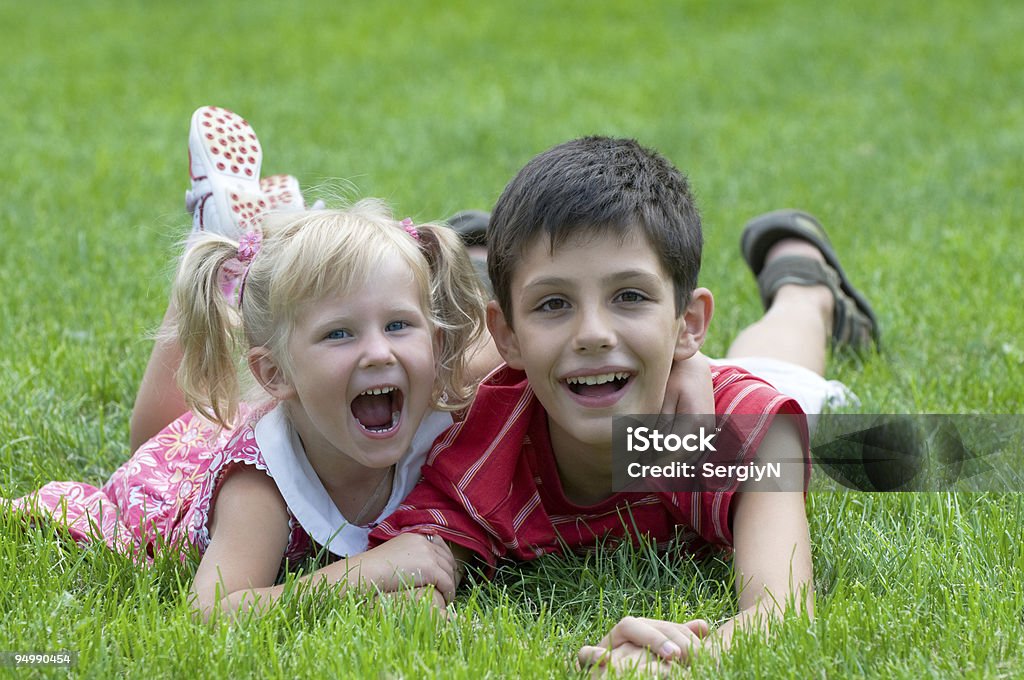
[{"x": 379, "y": 390}]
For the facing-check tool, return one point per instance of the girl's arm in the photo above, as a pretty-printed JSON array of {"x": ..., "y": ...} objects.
[
  {"x": 689, "y": 390},
  {"x": 249, "y": 534},
  {"x": 483, "y": 358}
]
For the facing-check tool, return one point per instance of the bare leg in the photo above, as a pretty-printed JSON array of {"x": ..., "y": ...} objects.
[
  {"x": 797, "y": 326},
  {"x": 159, "y": 401}
]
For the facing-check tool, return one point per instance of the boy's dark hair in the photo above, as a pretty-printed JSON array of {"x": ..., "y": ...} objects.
[{"x": 590, "y": 185}]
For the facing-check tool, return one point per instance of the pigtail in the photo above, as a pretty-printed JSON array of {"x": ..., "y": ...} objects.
[
  {"x": 457, "y": 302},
  {"x": 207, "y": 329}
]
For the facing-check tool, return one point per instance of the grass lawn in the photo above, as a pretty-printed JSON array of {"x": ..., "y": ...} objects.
[{"x": 901, "y": 125}]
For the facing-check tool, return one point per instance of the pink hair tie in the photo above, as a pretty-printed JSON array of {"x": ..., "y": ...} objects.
[
  {"x": 249, "y": 245},
  {"x": 410, "y": 229}
]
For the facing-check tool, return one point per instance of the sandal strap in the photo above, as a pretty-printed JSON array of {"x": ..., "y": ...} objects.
[
  {"x": 794, "y": 270},
  {"x": 851, "y": 326},
  {"x": 471, "y": 226},
  {"x": 764, "y": 231}
]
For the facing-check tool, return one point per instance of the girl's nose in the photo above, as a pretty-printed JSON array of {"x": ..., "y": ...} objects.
[{"x": 377, "y": 351}]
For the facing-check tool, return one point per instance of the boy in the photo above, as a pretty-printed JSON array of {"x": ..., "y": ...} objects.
[{"x": 593, "y": 254}]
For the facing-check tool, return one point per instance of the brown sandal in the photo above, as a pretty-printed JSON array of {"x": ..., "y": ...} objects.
[
  {"x": 854, "y": 324},
  {"x": 471, "y": 226}
]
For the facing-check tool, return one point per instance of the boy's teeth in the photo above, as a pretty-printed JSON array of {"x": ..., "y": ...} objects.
[
  {"x": 378, "y": 390},
  {"x": 597, "y": 379}
]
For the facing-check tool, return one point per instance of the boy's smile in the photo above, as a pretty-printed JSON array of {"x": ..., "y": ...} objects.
[{"x": 594, "y": 326}]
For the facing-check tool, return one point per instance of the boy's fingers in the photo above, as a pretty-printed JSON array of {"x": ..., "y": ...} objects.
[
  {"x": 666, "y": 639},
  {"x": 592, "y": 655},
  {"x": 700, "y": 627},
  {"x": 625, "y": 657},
  {"x": 686, "y": 636}
]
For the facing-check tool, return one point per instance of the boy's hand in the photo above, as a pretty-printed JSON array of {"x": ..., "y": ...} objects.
[
  {"x": 626, "y": 656},
  {"x": 650, "y": 644},
  {"x": 408, "y": 561},
  {"x": 688, "y": 389}
]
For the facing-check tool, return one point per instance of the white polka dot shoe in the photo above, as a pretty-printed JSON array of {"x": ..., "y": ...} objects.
[
  {"x": 282, "y": 193},
  {"x": 224, "y": 166}
]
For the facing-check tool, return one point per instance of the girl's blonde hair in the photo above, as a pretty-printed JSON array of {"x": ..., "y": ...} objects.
[{"x": 302, "y": 258}]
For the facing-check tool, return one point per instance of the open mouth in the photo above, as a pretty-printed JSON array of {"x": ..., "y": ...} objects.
[
  {"x": 597, "y": 385},
  {"x": 378, "y": 409}
]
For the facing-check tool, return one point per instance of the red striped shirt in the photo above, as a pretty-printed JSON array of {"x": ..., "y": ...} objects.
[{"x": 491, "y": 482}]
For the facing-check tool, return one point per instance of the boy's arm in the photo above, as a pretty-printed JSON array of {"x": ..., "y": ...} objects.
[
  {"x": 772, "y": 560},
  {"x": 773, "y": 573}
]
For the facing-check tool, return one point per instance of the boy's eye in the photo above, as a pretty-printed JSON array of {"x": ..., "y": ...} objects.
[
  {"x": 396, "y": 326},
  {"x": 338, "y": 334},
  {"x": 631, "y": 296},
  {"x": 553, "y": 305}
]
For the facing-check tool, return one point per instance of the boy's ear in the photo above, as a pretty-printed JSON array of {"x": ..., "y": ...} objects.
[
  {"x": 269, "y": 374},
  {"x": 505, "y": 339},
  {"x": 694, "y": 327}
]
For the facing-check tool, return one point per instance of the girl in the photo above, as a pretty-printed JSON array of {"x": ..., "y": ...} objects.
[{"x": 354, "y": 328}]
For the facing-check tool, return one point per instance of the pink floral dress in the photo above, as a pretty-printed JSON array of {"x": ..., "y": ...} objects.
[{"x": 162, "y": 494}]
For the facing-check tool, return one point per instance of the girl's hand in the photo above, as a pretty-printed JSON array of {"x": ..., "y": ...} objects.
[
  {"x": 689, "y": 388},
  {"x": 248, "y": 536},
  {"x": 407, "y": 561}
]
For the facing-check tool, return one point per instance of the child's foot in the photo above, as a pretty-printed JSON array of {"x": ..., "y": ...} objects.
[
  {"x": 788, "y": 247},
  {"x": 282, "y": 193},
  {"x": 471, "y": 226},
  {"x": 224, "y": 166}
]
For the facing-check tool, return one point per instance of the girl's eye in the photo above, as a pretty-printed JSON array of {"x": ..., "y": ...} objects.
[
  {"x": 338, "y": 334},
  {"x": 631, "y": 296},
  {"x": 553, "y": 305},
  {"x": 396, "y": 326}
]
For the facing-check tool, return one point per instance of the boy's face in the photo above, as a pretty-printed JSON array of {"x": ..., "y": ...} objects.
[{"x": 595, "y": 330}]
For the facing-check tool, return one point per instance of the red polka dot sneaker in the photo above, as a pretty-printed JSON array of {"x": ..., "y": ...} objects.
[
  {"x": 282, "y": 193},
  {"x": 224, "y": 167}
]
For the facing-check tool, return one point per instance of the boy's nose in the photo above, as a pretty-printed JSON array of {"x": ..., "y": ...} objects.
[{"x": 593, "y": 331}]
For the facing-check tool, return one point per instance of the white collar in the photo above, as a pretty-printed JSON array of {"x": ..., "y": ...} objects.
[{"x": 305, "y": 495}]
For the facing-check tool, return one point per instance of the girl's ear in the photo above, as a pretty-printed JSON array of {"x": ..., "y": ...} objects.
[
  {"x": 269, "y": 374},
  {"x": 694, "y": 327},
  {"x": 504, "y": 337}
]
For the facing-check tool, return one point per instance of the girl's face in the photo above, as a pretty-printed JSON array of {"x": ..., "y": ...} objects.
[{"x": 362, "y": 370}]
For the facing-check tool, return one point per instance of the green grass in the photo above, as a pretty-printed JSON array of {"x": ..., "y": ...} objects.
[{"x": 901, "y": 125}]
